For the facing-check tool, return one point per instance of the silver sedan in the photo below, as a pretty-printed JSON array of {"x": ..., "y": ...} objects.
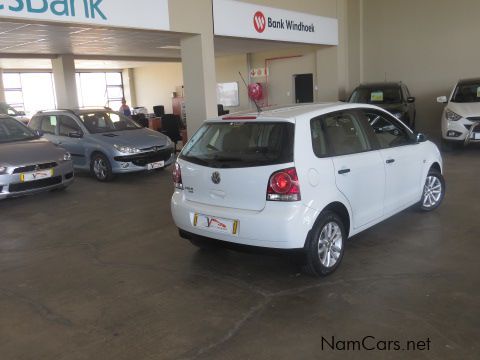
[{"x": 29, "y": 164}]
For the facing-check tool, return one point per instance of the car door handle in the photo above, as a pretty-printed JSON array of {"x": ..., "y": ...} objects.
[
  {"x": 390, "y": 161},
  {"x": 343, "y": 171}
]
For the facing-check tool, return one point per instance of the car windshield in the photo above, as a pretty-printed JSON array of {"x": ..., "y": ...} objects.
[
  {"x": 467, "y": 93},
  {"x": 240, "y": 144},
  {"x": 386, "y": 95},
  {"x": 104, "y": 121},
  {"x": 11, "y": 130}
]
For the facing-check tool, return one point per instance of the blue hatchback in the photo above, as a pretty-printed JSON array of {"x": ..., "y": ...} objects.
[{"x": 105, "y": 142}]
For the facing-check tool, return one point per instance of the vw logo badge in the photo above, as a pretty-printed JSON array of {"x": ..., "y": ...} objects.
[{"x": 216, "y": 178}]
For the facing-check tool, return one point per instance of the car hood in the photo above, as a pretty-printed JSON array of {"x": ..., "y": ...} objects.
[
  {"x": 29, "y": 152},
  {"x": 465, "y": 109},
  {"x": 141, "y": 138}
]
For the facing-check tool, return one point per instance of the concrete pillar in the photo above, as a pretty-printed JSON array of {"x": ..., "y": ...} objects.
[
  {"x": 129, "y": 87},
  {"x": 65, "y": 83},
  {"x": 198, "y": 62},
  {"x": 2, "y": 88}
]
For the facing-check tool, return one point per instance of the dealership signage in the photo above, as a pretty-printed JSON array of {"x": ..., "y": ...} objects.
[
  {"x": 239, "y": 19},
  {"x": 142, "y": 14}
]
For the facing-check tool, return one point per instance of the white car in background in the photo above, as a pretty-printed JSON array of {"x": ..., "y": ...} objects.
[
  {"x": 461, "y": 116},
  {"x": 6, "y": 109},
  {"x": 305, "y": 177}
]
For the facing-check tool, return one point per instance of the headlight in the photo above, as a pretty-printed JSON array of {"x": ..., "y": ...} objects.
[
  {"x": 169, "y": 142},
  {"x": 3, "y": 170},
  {"x": 127, "y": 149},
  {"x": 67, "y": 157},
  {"x": 398, "y": 115},
  {"x": 452, "y": 116}
]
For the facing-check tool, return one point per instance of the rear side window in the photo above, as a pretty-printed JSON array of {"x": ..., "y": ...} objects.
[
  {"x": 338, "y": 134},
  {"x": 49, "y": 124},
  {"x": 241, "y": 144}
]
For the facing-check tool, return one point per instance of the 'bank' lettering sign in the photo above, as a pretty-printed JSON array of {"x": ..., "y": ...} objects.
[
  {"x": 239, "y": 19},
  {"x": 142, "y": 14}
]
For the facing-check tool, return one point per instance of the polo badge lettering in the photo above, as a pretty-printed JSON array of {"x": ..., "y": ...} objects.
[{"x": 259, "y": 22}]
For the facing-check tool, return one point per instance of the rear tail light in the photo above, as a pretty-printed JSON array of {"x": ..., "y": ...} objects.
[
  {"x": 283, "y": 186},
  {"x": 177, "y": 176}
]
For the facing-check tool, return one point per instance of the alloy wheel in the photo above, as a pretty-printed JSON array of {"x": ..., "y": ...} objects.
[
  {"x": 433, "y": 192},
  {"x": 330, "y": 244},
  {"x": 100, "y": 168}
]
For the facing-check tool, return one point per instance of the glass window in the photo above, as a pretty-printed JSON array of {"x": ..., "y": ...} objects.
[
  {"x": 100, "y": 89},
  {"x": 386, "y": 95},
  {"x": 114, "y": 78},
  {"x": 388, "y": 132},
  {"x": 68, "y": 126},
  {"x": 11, "y": 130},
  {"x": 467, "y": 93},
  {"x": 341, "y": 132},
  {"x": 104, "y": 121},
  {"x": 12, "y": 81},
  {"x": 239, "y": 144},
  {"x": 49, "y": 124}
]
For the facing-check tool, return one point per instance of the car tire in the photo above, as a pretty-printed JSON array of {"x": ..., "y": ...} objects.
[
  {"x": 433, "y": 191},
  {"x": 100, "y": 168},
  {"x": 326, "y": 245}
]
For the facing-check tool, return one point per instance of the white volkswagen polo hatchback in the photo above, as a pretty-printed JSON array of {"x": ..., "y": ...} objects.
[{"x": 305, "y": 177}]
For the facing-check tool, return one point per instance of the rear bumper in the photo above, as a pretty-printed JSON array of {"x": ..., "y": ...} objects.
[
  {"x": 11, "y": 186},
  {"x": 277, "y": 226}
]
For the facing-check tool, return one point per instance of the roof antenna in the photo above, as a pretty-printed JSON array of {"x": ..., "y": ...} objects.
[{"x": 259, "y": 109}]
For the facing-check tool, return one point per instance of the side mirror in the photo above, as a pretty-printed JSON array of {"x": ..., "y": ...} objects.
[
  {"x": 411, "y": 100},
  {"x": 75, "y": 135},
  {"x": 21, "y": 113},
  {"x": 421, "y": 138},
  {"x": 442, "y": 99},
  {"x": 38, "y": 133}
]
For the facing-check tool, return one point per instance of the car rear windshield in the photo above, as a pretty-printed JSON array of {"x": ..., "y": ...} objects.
[
  {"x": 241, "y": 144},
  {"x": 387, "y": 95},
  {"x": 468, "y": 93},
  {"x": 101, "y": 122}
]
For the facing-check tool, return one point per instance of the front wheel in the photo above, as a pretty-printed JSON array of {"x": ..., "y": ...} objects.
[
  {"x": 100, "y": 168},
  {"x": 433, "y": 191},
  {"x": 326, "y": 246}
]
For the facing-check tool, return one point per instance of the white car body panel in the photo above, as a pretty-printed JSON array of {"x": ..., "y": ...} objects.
[{"x": 371, "y": 192}]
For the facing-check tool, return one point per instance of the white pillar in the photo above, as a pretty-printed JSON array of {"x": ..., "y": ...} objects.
[
  {"x": 198, "y": 61},
  {"x": 65, "y": 83},
  {"x": 2, "y": 88}
]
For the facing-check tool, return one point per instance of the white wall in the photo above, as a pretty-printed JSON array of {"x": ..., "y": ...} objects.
[
  {"x": 427, "y": 44},
  {"x": 227, "y": 68},
  {"x": 154, "y": 84}
]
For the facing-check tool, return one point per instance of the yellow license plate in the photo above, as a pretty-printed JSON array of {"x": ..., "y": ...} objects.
[{"x": 36, "y": 175}]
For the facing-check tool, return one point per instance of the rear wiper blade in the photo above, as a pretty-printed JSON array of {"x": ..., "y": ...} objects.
[{"x": 222, "y": 158}]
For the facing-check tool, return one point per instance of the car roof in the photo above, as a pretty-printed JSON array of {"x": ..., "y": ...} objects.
[
  {"x": 472, "y": 81},
  {"x": 78, "y": 111},
  {"x": 289, "y": 113}
]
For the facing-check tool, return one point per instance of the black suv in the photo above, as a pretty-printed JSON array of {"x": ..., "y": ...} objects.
[{"x": 393, "y": 97}]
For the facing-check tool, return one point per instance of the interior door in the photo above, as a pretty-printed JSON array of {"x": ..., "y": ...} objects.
[
  {"x": 402, "y": 158},
  {"x": 359, "y": 170},
  {"x": 304, "y": 88}
]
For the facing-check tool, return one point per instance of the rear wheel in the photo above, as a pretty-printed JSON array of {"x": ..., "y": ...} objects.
[
  {"x": 433, "y": 191},
  {"x": 326, "y": 246},
  {"x": 100, "y": 168}
]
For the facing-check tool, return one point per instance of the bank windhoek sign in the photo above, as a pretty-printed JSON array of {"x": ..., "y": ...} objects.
[
  {"x": 140, "y": 14},
  {"x": 239, "y": 19}
]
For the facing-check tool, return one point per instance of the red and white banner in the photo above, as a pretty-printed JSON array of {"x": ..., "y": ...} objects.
[{"x": 245, "y": 20}]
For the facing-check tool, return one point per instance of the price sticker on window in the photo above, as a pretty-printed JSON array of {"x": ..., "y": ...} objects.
[
  {"x": 478, "y": 92},
  {"x": 376, "y": 96}
]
